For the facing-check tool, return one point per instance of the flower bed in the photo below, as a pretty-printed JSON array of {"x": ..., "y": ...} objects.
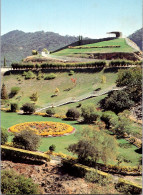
[{"x": 44, "y": 128}]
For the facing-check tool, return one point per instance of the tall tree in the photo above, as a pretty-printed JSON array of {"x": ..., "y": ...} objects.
[
  {"x": 4, "y": 94},
  {"x": 4, "y": 62}
]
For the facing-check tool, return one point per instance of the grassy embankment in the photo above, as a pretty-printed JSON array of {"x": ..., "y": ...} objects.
[{"x": 124, "y": 47}]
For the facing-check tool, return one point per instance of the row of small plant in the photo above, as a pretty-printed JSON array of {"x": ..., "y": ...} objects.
[
  {"x": 45, "y": 65},
  {"x": 88, "y": 47},
  {"x": 31, "y": 75},
  {"x": 124, "y": 63}
]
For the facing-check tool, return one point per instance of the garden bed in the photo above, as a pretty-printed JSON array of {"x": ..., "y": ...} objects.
[{"x": 45, "y": 129}]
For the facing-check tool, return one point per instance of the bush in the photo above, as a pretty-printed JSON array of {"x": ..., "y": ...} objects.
[
  {"x": 26, "y": 140},
  {"x": 73, "y": 113},
  {"x": 34, "y": 52},
  {"x": 4, "y": 94},
  {"x": 52, "y": 148},
  {"x": 4, "y": 135},
  {"x": 29, "y": 75},
  {"x": 107, "y": 116},
  {"x": 50, "y": 111},
  {"x": 71, "y": 72},
  {"x": 13, "y": 183},
  {"x": 14, "y": 107},
  {"x": 89, "y": 114},
  {"x": 50, "y": 76},
  {"x": 15, "y": 90},
  {"x": 116, "y": 101},
  {"x": 28, "y": 108}
]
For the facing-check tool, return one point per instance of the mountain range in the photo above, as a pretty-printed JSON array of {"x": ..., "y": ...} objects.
[{"x": 16, "y": 45}]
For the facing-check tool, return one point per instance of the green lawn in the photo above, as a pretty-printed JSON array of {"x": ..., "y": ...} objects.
[
  {"x": 9, "y": 119},
  {"x": 124, "y": 47},
  {"x": 86, "y": 83}
]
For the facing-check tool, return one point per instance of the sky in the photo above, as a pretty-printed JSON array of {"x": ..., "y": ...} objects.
[{"x": 89, "y": 18}]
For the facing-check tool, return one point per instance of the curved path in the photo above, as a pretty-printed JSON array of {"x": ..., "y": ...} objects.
[{"x": 80, "y": 98}]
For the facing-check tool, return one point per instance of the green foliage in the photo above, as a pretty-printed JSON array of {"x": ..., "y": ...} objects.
[
  {"x": 15, "y": 90},
  {"x": 116, "y": 101},
  {"x": 4, "y": 94},
  {"x": 50, "y": 76},
  {"x": 34, "y": 52},
  {"x": 91, "y": 145},
  {"x": 26, "y": 140},
  {"x": 29, "y": 75},
  {"x": 89, "y": 113},
  {"x": 4, "y": 135},
  {"x": 50, "y": 111},
  {"x": 28, "y": 108},
  {"x": 14, "y": 107},
  {"x": 95, "y": 177},
  {"x": 34, "y": 97},
  {"x": 52, "y": 148},
  {"x": 73, "y": 113},
  {"x": 71, "y": 72},
  {"x": 13, "y": 183},
  {"x": 132, "y": 78},
  {"x": 107, "y": 116},
  {"x": 4, "y": 63}
]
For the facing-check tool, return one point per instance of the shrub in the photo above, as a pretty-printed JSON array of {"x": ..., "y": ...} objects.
[
  {"x": 34, "y": 52},
  {"x": 15, "y": 90},
  {"x": 116, "y": 101},
  {"x": 26, "y": 140},
  {"x": 28, "y": 108},
  {"x": 89, "y": 114},
  {"x": 107, "y": 116},
  {"x": 14, "y": 107},
  {"x": 50, "y": 76},
  {"x": 4, "y": 135},
  {"x": 71, "y": 72},
  {"x": 73, "y": 113},
  {"x": 4, "y": 94},
  {"x": 29, "y": 75},
  {"x": 34, "y": 97},
  {"x": 50, "y": 111},
  {"x": 52, "y": 148},
  {"x": 13, "y": 183}
]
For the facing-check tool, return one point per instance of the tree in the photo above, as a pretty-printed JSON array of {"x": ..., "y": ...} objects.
[
  {"x": 89, "y": 113},
  {"x": 117, "y": 101},
  {"x": 14, "y": 107},
  {"x": 27, "y": 140},
  {"x": 34, "y": 97},
  {"x": 73, "y": 113},
  {"x": 4, "y": 135},
  {"x": 4, "y": 94},
  {"x": 13, "y": 183},
  {"x": 34, "y": 52},
  {"x": 4, "y": 61},
  {"x": 132, "y": 79},
  {"x": 52, "y": 148},
  {"x": 28, "y": 108},
  {"x": 94, "y": 146},
  {"x": 50, "y": 111}
]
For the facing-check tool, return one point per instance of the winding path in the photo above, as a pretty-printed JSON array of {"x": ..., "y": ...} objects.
[{"x": 80, "y": 98}]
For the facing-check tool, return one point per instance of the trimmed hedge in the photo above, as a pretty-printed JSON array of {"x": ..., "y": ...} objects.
[
  {"x": 20, "y": 154},
  {"x": 124, "y": 63},
  {"x": 81, "y": 170}
]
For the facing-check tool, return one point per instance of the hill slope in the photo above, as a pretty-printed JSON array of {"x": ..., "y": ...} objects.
[
  {"x": 18, "y": 44},
  {"x": 137, "y": 37}
]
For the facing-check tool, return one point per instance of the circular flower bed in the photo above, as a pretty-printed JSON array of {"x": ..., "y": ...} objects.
[{"x": 44, "y": 128}]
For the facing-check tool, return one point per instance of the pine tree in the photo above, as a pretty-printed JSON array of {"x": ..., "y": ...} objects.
[
  {"x": 4, "y": 92},
  {"x": 4, "y": 61}
]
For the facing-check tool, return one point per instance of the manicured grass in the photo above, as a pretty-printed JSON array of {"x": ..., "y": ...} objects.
[
  {"x": 124, "y": 47},
  {"x": 9, "y": 119},
  {"x": 86, "y": 83}
]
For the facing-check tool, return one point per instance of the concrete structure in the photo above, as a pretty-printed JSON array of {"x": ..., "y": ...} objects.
[{"x": 117, "y": 33}]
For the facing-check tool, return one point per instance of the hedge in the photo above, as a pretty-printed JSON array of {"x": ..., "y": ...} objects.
[
  {"x": 81, "y": 170},
  {"x": 124, "y": 63},
  {"x": 20, "y": 154}
]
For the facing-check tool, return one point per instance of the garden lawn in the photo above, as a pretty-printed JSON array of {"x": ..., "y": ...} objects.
[
  {"x": 124, "y": 47},
  {"x": 9, "y": 119}
]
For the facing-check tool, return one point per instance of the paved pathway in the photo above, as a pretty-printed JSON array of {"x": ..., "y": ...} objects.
[{"x": 80, "y": 98}]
